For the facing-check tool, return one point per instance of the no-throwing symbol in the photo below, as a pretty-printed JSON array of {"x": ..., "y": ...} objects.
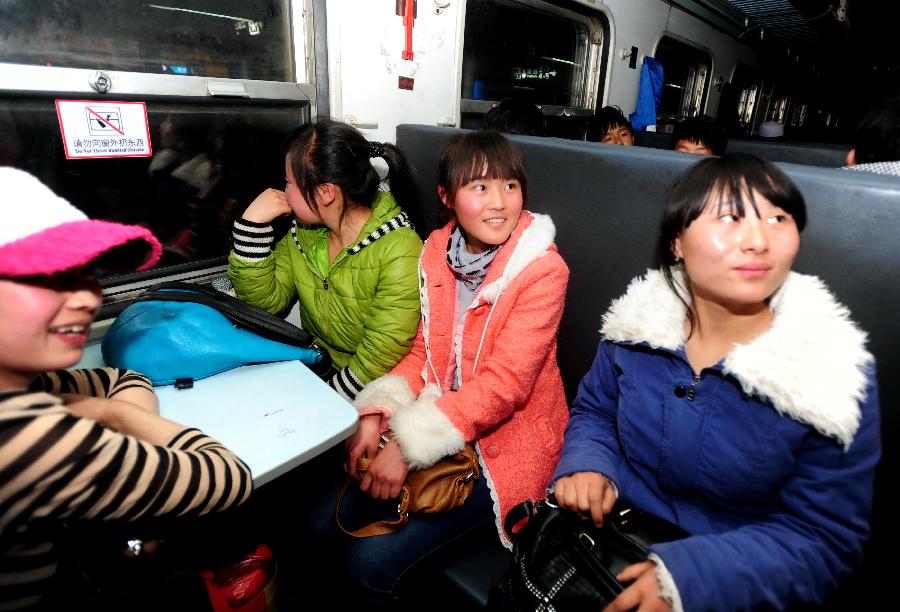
[{"x": 104, "y": 120}]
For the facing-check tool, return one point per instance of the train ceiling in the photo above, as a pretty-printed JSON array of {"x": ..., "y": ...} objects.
[
  {"x": 834, "y": 37},
  {"x": 858, "y": 33}
]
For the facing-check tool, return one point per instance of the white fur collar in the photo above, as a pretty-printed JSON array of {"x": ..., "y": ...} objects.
[
  {"x": 810, "y": 364},
  {"x": 534, "y": 242}
]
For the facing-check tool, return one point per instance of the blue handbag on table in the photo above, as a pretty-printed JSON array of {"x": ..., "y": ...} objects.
[{"x": 179, "y": 332}]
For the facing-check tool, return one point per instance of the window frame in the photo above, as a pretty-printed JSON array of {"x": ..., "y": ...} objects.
[
  {"x": 755, "y": 82},
  {"x": 592, "y": 84},
  {"x": 20, "y": 80},
  {"x": 702, "y": 91}
]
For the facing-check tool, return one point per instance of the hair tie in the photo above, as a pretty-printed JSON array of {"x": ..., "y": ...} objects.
[{"x": 376, "y": 149}]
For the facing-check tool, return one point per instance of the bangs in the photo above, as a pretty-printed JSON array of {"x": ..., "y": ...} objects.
[
  {"x": 730, "y": 180},
  {"x": 733, "y": 181},
  {"x": 483, "y": 167},
  {"x": 477, "y": 155},
  {"x": 697, "y": 140}
]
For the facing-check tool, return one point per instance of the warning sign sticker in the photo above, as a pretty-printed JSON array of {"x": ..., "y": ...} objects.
[{"x": 104, "y": 129}]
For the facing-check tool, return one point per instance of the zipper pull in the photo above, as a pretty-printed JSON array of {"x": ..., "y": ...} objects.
[
  {"x": 325, "y": 284},
  {"x": 692, "y": 390}
]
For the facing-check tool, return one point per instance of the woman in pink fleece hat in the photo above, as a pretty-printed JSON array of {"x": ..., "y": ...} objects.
[{"x": 81, "y": 444}]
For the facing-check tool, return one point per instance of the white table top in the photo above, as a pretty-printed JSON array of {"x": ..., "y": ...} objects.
[{"x": 273, "y": 416}]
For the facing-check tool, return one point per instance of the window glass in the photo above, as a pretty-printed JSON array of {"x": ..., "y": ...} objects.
[
  {"x": 777, "y": 110},
  {"x": 747, "y": 103},
  {"x": 798, "y": 117},
  {"x": 685, "y": 76},
  {"x": 513, "y": 49},
  {"x": 747, "y": 81},
  {"x": 241, "y": 39},
  {"x": 210, "y": 159}
]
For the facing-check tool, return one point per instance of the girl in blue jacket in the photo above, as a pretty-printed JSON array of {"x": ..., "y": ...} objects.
[{"x": 733, "y": 397}]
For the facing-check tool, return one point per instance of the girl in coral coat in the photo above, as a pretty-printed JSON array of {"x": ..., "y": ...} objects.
[{"x": 482, "y": 367}]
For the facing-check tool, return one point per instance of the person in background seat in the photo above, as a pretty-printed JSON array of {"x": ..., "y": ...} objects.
[
  {"x": 876, "y": 141},
  {"x": 699, "y": 137},
  {"x": 610, "y": 126},
  {"x": 515, "y": 116}
]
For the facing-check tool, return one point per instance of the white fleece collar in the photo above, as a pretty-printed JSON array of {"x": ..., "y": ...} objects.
[
  {"x": 534, "y": 242},
  {"x": 810, "y": 364}
]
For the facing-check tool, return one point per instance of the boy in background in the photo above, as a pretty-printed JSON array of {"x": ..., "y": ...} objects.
[{"x": 699, "y": 137}]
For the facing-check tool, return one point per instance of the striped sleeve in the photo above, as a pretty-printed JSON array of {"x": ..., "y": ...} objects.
[
  {"x": 55, "y": 466},
  {"x": 346, "y": 383},
  {"x": 97, "y": 382},
  {"x": 64, "y": 466},
  {"x": 252, "y": 241}
]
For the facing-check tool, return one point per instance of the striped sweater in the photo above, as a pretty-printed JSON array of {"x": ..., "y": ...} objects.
[{"x": 56, "y": 466}]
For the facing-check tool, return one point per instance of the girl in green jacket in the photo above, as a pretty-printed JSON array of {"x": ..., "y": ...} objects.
[{"x": 350, "y": 257}]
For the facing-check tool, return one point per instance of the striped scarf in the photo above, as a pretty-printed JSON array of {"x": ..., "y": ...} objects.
[{"x": 469, "y": 268}]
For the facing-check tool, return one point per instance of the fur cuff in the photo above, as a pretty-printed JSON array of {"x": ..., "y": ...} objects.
[
  {"x": 424, "y": 433},
  {"x": 668, "y": 590},
  {"x": 390, "y": 391}
]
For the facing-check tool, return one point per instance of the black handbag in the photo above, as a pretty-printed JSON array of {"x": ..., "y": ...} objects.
[
  {"x": 179, "y": 332},
  {"x": 563, "y": 562}
]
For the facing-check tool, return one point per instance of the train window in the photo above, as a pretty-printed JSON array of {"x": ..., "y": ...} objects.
[
  {"x": 777, "y": 109},
  {"x": 548, "y": 60},
  {"x": 215, "y": 139},
  {"x": 798, "y": 117},
  {"x": 747, "y": 103},
  {"x": 686, "y": 71},
  {"x": 243, "y": 39},
  {"x": 747, "y": 81}
]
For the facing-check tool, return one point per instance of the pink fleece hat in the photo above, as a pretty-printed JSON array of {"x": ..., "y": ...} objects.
[{"x": 42, "y": 234}]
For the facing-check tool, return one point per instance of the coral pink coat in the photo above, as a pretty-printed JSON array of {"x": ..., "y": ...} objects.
[{"x": 511, "y": 401}]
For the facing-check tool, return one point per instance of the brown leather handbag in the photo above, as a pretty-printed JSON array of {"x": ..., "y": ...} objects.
[{"x": 444, "y": 486}]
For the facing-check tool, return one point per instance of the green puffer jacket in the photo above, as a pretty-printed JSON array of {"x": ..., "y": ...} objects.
[{"x": 364, "y": 309}]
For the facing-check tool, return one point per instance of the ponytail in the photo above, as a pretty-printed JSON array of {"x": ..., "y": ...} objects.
[{"x": 402, "y": 184}]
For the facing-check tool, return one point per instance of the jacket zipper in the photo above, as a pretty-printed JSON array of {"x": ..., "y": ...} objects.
[
  {"x": 325, "y": 285},
  {"x": 327, "y": 300},
  {"x": 692, "y": 390}
]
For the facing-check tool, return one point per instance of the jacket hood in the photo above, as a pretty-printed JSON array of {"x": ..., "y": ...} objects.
[
  {"x": 811, "y": 364},
  {"x": 534, "y": 241}
]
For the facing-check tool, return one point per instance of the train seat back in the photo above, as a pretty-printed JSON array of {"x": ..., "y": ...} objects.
[
  {"x": 810, "y": 154},
  {"x": 606, "y": 202}
]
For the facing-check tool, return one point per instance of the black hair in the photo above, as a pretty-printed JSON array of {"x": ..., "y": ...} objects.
[
  {"x": 730, "y": 179},
  {"x": 515, "y": 116},
  {"x": 877, "y": 137},
  {"x": 604, "y": 120},
  {"x": 330, "y": 151},
  {"x": 702, "y": 132},
  {"x": 481, "y": 154}
]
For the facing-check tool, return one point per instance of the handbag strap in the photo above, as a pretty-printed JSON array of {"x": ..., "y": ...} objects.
[
  {"x": 253, "y": 318},
  {"x": 378, "y": 527},
  {"x": 518, "y": 513}
]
